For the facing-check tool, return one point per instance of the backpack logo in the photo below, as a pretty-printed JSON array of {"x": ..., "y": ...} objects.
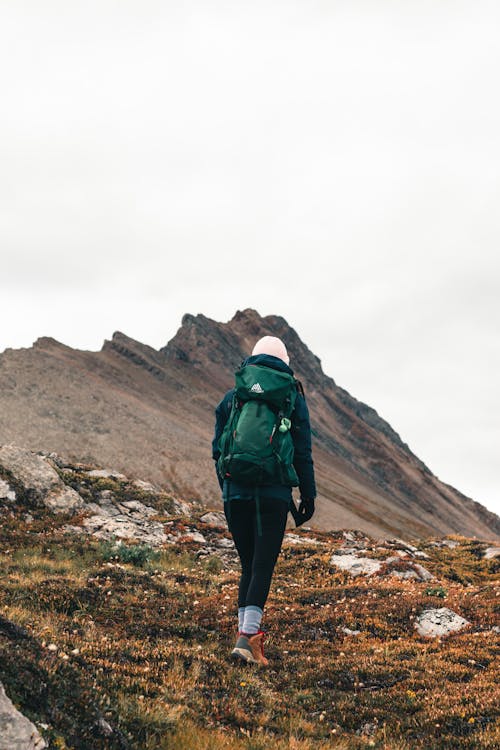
[{"x": 257, "y": 388}]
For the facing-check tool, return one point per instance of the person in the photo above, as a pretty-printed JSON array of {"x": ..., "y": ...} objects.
[{"x": 258, "y": 538}]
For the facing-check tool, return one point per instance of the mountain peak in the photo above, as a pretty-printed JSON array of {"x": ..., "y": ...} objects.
[{"x": 149, "y": 411}]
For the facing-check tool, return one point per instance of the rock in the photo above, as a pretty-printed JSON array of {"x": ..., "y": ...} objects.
[
  {"x": 40, "y": 481},
  {"x": 180, "y": 508},
  {"x": 122, "y": 523},
  {"x": 104, "y": 727},
  {"x": 128, "y": 519},
  {"x": 439, "y": 622},
  {"x": 294, "y": 539},
  {"x": 145, "y": 486},
  {"x": 345, "y": 551},
  {"x": 214, "y": 518},
  {"x": 414, "y": 570},
  {"x": 193, "y": 536},
  {"x": 451, "y": 543},
  {"x": 5, "y": 491},
  {"x": 348, "y": 631},
  {"x": 356, "y": 565},
  {"x": 401, "y": 544},
  {"x": 16, "y": 731},
  {"x": 349, "y": 536},
  {"x": 104, "y": 474},
  {"x": 225, "y": 543},
  {"x": 353, "y": 541},
  {"x": 491, "y": 552}
]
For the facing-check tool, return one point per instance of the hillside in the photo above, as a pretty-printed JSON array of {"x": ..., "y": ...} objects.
[
  {"x": 118, "y": 610},
  {"x": 150, "y": 414}
]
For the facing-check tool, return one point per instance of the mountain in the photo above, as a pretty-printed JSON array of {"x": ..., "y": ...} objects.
[{"x": 150, "y": 414}]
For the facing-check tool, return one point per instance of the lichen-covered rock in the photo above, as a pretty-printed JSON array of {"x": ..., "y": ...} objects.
[
  {"x": 129, "y": 519},
  {"x": 224, "y": 543},
  {"x": 40, "y": 481},
  {"x": 356, "y": 565},
  {"x": 104, "y": 474},
  {"x": 413, "y": 570},
  {"x": 294, "y": 539},
  {"x": 6, "y": 493},
  {"x": 451, "y": 543},
  {"x": 214, "y": 518},
  {"x": 491, "y": 552},
  {"x": 439, "y": 622},
  {"x": 16, "y": 731},
  {"x": 192, "y": 536}
]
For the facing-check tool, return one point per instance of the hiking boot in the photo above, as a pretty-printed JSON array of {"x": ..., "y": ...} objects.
[{"x": 250, "y": 648}]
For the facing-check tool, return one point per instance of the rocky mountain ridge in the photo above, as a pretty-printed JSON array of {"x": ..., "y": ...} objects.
[{"x": 149, "y": 413}]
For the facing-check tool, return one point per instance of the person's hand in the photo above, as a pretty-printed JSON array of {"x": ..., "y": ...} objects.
[{"x": 305, "y": 511}]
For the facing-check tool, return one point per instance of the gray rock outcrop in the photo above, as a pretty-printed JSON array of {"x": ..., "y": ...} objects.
[
  {"x": 355, "y": 565},
  {"x": 128, "y": 519},
  {"x": 6, "y": 492},
  {"x": 439, "y": 622},
  {"x": 214, "y": 518},
  {"x": 491, "y": 552},
  {"x": 40, "y": 482},
  {"x": 16, "y": 731}
]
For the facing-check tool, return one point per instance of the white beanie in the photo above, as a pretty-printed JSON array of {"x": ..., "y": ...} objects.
[{"x": 272, "y": 346}]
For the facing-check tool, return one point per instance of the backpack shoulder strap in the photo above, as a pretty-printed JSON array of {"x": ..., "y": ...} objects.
[{"x": 300, "y": 387}]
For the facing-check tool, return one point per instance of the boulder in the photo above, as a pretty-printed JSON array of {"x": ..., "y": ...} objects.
[
  {"x": 193, "y": 536},
  {"x": 16, "y": 731},
  {"x": 104, "y": 474},
  {"x": 214, "y": 518},
  {"x": 295, "y": 539},
  {"x": 491, "y": 552},
  {"x": 415, "y": 571},
  {"x": 129, "y": 519},
  {"x": 356, "y": 565},
  {"x": 39, "y": 480},
  {"x": 6, "y": 493},
  {"x": 439, "y": 622}
]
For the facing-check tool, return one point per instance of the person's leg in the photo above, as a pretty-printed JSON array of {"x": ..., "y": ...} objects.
[
  {"x": 241, "y": 525},
  {"x": 265, "y": 554}
]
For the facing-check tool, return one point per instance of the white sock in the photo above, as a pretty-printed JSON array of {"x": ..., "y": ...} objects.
[
  {"x": 251, "y": 621},
  {"x": 241, "y": 617}
]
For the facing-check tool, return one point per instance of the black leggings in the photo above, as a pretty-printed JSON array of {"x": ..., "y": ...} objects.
[{"x": 258, "y": 554}]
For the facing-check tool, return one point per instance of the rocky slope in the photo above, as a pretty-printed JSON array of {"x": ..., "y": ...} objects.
[
  {"x": 149, "y": 414},
  {"x": 118, "y": 606}
]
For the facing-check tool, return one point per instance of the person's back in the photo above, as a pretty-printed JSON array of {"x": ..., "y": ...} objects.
[{"x": 257, "y": 512}]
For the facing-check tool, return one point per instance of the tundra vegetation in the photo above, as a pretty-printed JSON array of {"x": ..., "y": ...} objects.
[{"x": 107, "y": 644}]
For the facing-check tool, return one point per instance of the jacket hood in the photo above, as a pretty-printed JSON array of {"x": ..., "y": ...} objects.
[{"x": 267, "y": 360}]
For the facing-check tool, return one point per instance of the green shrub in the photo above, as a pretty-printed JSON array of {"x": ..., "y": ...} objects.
[
  {"x": 436, "y": 591},
  {"x": 136, "y": 554}
]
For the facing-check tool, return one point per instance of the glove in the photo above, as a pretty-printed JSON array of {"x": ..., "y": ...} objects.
[
  {"x": 219, "y": 478},
  {"x": 304, "y": 512}
]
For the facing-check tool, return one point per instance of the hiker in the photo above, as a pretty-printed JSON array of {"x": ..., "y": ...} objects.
[{"x": 257, "y": 512}]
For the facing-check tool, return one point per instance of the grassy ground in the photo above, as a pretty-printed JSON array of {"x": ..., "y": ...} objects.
[{"x": 106, "y": 653}]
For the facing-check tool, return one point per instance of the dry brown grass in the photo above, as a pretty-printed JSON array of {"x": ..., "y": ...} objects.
[{"x": 147, "y": 649}]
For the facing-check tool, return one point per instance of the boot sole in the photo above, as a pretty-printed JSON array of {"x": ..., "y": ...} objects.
[{"x": 242, "y": 654}]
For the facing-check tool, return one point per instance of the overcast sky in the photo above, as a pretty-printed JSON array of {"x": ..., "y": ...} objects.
[{"x": 336, "y": 163}]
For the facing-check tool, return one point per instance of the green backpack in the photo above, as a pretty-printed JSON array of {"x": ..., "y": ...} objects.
[{"x": 256, "y": 445}]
